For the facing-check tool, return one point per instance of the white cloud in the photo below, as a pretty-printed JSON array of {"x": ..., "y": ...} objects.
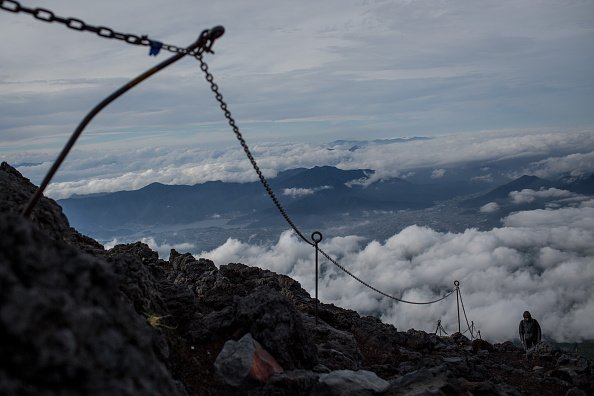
[
  {"x": 486, "y": 178},
  {"x": 577, "y": 165},
  {"x": 94, "y": 171},
  {"x": 540, "y": 261},
  {"x": 165, "y": 249},
  {"x": 528, "y": 195},
  {"x": 489, "y": 208},
  {"x": 300, "y": 192},
  {"x": 438, "y": 173}
]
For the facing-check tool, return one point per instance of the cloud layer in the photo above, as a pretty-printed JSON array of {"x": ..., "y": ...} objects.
[
  {"x": 546, "y": 153},
  {"x": 539, "y": 261}
]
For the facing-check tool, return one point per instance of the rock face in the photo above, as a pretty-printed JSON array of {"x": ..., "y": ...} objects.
[{"x": 78, "y": 319}]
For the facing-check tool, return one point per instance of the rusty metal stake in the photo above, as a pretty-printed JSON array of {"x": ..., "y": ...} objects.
[
  {"x": 317, "y": 238},
  {"x": 457, "y": 284}
]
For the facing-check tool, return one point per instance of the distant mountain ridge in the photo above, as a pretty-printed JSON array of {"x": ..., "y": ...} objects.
[
  {"x": 317, "y": 193},
  {"x": 323, "y": 191}
]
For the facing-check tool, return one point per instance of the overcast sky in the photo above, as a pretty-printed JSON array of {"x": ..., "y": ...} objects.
[{"x": 304, "y": 70}]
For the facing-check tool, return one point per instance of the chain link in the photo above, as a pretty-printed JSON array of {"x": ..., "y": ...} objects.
[
  {"x": 45, "y": 15},
  {"x": 208, "y": 37},
  {"x": 215, "y": 88}
]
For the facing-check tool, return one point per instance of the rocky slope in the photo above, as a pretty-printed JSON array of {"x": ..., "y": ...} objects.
[{"x": 77, "y": 319}]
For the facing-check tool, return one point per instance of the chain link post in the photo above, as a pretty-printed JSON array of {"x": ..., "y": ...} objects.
[
  {"x": 457, "y": 284},
  {"x": 317, "y": 238}
]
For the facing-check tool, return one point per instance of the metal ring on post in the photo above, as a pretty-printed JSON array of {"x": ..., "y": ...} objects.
[{"x": 313, "y": 237}]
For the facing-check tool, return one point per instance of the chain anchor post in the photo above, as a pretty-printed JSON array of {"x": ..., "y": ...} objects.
[
  {"x": 457, "y": 284},
  {"x": 317, "y": 238}
]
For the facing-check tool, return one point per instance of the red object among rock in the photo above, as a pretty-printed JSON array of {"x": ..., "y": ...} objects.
[{"x": 264, "y": 365}]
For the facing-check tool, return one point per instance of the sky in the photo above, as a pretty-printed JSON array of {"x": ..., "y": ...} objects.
[
  {"x": 486, "y": 81},
  {"x": 312, "y": 71}
]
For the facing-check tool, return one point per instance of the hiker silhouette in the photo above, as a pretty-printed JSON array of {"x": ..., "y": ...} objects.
[{"x": 530, "y": 333}]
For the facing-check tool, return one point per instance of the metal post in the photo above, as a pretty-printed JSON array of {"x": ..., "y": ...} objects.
[
  {"x": 457, "y": 284},
  {"x": 317, "y": 238}
]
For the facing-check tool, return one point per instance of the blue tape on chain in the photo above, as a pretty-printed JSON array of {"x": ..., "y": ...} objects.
[{"x": 155, "y": 48}]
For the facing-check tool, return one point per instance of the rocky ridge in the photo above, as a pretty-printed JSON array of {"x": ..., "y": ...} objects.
[{"x": 76, "y": 318}]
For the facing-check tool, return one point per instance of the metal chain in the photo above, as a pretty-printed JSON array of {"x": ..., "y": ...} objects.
[
  {"x": 45, "y": 15},
  {"x": 215, "y": 88},
  {"x": 379, "y": 291},
  {"x": 466, "y": 317}
]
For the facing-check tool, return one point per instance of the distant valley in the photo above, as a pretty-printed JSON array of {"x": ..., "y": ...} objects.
[{"x": 327, "y": 199}]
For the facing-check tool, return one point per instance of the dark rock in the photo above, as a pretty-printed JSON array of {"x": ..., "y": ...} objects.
[
  {"x": 487, "y": 388},
  {"x": 63, "y": 325},
  {"x": 348, "y": 382},
  {"x": 275, "y": 322},
  {"x": 482, "y": 345},
  {"x": 296, "y": 382},
  {"x": 425, "y": 380},
  {"x": 15, "y": 192},
  {"x": 507, "y": 346},
  {"x": 337, "y": 349},
  {"x": 77, "y": 319},
  {"x": 245, "y": 364},
  {"x": 575, "y": 392},
  {"x": 460, "y": 339}
]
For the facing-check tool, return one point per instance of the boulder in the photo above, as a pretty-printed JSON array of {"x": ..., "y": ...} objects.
[
  {"x": 64, "y": 326},
  {"x": 348, "y": 382},
  {"x": 423, "y": 381},
  {"x": 297, "y": 382},
  {"x": 245, "y": 362},
  {"x": 275, "y": 322},
  {"x": 337, "y": 349}
]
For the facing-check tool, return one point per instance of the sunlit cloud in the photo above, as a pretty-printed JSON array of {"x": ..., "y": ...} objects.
[{"x": 539, "y": 261}]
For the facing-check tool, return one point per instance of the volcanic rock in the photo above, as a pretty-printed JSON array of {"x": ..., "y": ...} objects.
[{"x": 77, "y": 319}]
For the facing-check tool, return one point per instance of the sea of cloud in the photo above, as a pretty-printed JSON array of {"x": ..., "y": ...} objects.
[
  {"x": 541, "y": 261},
  {"x": 96, "y": 171}
]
